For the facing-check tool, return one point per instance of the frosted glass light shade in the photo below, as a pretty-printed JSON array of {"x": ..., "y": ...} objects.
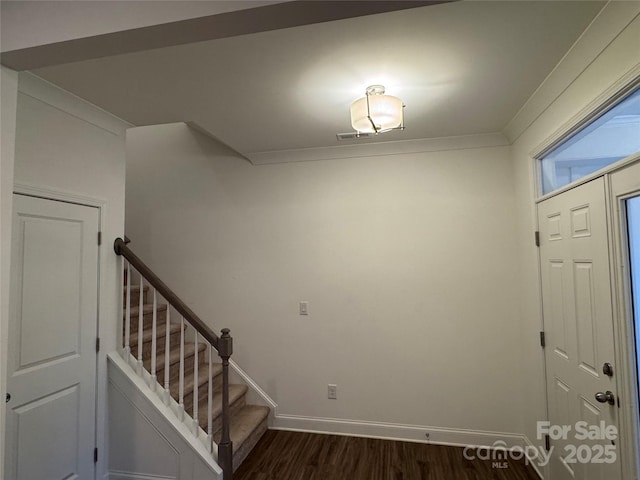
[{"x": 385, "y": 111}]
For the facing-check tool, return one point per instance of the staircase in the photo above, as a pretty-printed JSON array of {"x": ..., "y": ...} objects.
[{"x": 186, "y": 371}]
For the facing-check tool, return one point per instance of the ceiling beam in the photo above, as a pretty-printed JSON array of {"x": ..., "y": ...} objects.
[{"x": 228, "y": 24}]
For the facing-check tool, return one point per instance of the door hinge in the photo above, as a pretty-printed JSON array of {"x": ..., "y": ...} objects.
[
  {"x": 537, "y": 238},
  {"x": 547, "y": 442},
  {"x": 543, "y": 340},
  {"x": 95, "y": 455},
  {"x": 99, "y": 238},
  {"x": 97, "y": 344}
]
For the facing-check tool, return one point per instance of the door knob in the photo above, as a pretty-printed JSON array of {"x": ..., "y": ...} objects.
[{"x": 606, "y": 397}]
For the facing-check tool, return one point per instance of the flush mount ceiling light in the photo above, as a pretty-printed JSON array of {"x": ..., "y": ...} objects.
[{"x": 376, "y": 112}]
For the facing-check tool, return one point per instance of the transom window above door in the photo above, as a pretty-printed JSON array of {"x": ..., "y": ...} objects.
[{"x": 612, "y": 136}]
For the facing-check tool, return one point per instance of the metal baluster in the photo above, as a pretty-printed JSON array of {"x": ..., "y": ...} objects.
[
  {"x": 167, "y": 351},
  {"x": 210, "y": 398},
  {"x": 140, "y": 324},
  {"x": 127, "y": 317},
  {"x": 181, "y": 390},
  {"x": 154, "y": 331},
  {"x": 195, "y": 386}
]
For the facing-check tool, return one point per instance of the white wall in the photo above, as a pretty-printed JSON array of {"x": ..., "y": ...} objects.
[
  {"x": 9, "y": 94},
  {"x": 66, "y": 147},
  {"x": 408, "y": 262},
  {"x": 607, "y": 52}
]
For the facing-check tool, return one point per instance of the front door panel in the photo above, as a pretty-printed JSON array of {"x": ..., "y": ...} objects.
[{"x": 578, "y": 319}]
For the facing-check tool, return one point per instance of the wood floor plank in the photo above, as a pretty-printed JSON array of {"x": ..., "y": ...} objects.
[{"x": 282, "y": 455}]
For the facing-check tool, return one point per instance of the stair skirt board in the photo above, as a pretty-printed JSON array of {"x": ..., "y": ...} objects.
[
  {"x": 163, "y": 418},
  {"x": 255, "y": 395}
]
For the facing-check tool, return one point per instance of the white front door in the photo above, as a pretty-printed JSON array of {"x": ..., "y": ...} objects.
[
  {"x": 578, "y": 323},
  {"x": 51, "y": 374}
]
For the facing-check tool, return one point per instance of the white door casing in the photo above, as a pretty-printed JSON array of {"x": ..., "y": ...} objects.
[
  {"x": 51, "y": 374},
  {"x": 624, "y": 183},
  {"x": 578, "y": 323}
]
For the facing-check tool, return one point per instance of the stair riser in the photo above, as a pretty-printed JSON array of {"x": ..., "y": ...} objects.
[
  {"x": 189, "y": 361},
  {"x": 174, "y": 342},
  {"x": 234, "y": 408},
  {"x": 239, "y": 455},
  {"x": 203, "y": 390},
  {"x": 135, "y": 297},
  {"x": 174, "y": 369},
  {"x": 147, "y": 320}
]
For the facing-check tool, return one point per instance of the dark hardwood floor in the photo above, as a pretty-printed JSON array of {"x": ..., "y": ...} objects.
[{"x": 304, "y": 456}]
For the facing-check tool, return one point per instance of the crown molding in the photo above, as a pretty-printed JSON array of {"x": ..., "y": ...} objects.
[
  {"x": 46, "y": 92},
  {"x": 369, "y": 149},
  {"x": 612, "y": 20}
]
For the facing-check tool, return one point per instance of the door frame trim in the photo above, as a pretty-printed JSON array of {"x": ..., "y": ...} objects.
[
  {"x": 101, "y": 358},
  {"x": 629, "y": 412},
  {"x": 59, "y": 196}
]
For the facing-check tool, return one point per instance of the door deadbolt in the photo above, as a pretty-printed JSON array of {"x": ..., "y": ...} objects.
[
  {"x": 7, "y": 398},
  {"x": 606, "y": 397},
  {"x": 607, "y": 369}
]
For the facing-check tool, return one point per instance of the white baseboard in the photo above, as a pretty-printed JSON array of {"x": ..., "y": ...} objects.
[
  {"x": 114, "y": 475},
  {"x": 410, "y": 433}
]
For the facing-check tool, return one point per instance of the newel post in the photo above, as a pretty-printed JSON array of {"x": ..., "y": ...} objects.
[{"x": 225, "y": 447}]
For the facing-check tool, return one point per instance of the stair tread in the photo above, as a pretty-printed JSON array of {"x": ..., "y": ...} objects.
[
  {"x": 135, "y": 288},
  {"x": 174, "y": 356},
  {"x": 244, "y": 423},
  {"x": 236, "y": 392},
  {"x": 147, "y": 333},
  {"x": 203, "y": 376},
  {"x": 147, "y": 308}
]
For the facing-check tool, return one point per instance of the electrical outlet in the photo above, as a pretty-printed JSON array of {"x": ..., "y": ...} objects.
[
  {"x": 333, "y": 392},
  {"x": 304, "y": 308}
]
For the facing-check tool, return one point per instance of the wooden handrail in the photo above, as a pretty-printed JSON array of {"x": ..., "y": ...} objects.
[{"x": 121, "y": 248}]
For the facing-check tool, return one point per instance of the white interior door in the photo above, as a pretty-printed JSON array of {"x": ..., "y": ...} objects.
[
  {"x": 52, "y": 333},
  {"x": 578, "y": 322}
]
